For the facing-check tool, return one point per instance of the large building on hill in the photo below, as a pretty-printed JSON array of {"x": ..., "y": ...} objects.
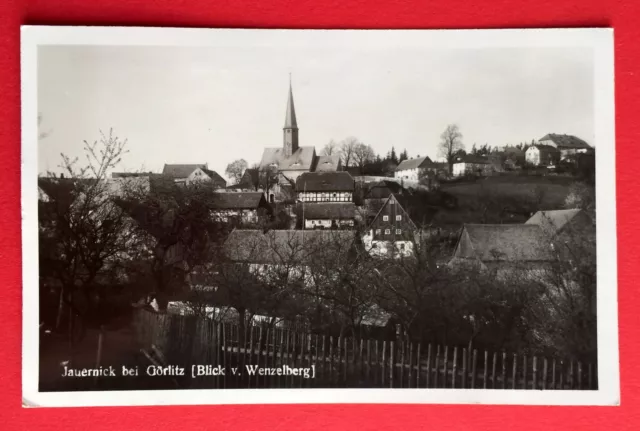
[
  {"x": 410, "y": 169},
  {"x": 566, "y": 144},
  {"x": 291, "y": 160}
]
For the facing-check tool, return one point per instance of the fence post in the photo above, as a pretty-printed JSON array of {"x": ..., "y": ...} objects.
[
  {"x": 376, "y": 370},
  {"x": 368, "y": 375},
  {"x": 402, "y": 348},
  {"x": 99, "y": 351},
  {"x": 361, "y": 361},
  {"x": 345, "y": 352},
  {"x": 384, "y": 353},
  {"x": 464, "y": 368},
  {"x": 590, "y": 378},
  {"x": 436, "y": 367},
  {"x": 454, "y": 369},
  {"x": 571, "y": 379},
  {"x": 410, "y": 384},
  {"x": 473, "y": 368},
  {"x": 331, "y": 360},
  {"x": 561, "y": 374},
  {"x": 392, "y": 363},
  {"x": 535, "y": 372},
  {"x": 544, "y": 374},
  {"x": 504, "y": 370},
  {"x": 429, "y": 366},
  {"x": 553, "y": 374},
  {"x": 493, "y": 370},
  {"x": 418, "y": 367}
]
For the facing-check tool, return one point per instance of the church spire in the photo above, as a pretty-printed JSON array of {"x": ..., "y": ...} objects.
[
  {"x": 290, "y": 118},
  {"x": 290, "y": 130}
]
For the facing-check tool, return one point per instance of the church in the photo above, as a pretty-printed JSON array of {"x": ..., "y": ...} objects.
[{"x": 291, "y": 160}]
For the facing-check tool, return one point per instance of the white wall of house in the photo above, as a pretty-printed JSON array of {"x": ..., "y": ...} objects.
[
  {"x": 407, "y": 174},
  {"x": 459, "y": 169},
  {"x": 395, "y": 249},
  {"x": 326, "y": 223},
  {"x": 197, "y": 176},
  {"x": 532, "y": 156},
  {"x": 325, "y": 196},
  {"x": 247, "y": 216}
]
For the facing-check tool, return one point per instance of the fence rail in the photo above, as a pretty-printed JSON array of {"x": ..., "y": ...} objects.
[{"x": 345, "y": 362}]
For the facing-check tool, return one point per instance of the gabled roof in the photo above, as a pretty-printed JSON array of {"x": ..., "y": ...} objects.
[
  {"x": 418, "y": 162},
  {"x": 325, "y": 181},
  {"x": 287, "y": 246},
  {"x": 396, "y": 202},
  {"x": 553, "y": 221},
  {"x": 236, "y": 200},
  {"x": 302, "y": 159},
  {"x": 181, "y": 171},
  {"x": 214, "y": 175},
  {"x": 329, "y": 210},
  {"x": 566, "y": 141},
  {"x": 327, "y": 163},
  {"x": 503, "y": 242}
]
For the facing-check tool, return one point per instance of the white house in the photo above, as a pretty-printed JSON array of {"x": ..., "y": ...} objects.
[
  {"x": 410, "y": 169},
  {"x": 542, "y": 155},
  {"x": 566, "y": 144},
  {"x": 328, "y": 215},
  {"x": 391, "y": 232},
  {"x": 471, "y": 165}
]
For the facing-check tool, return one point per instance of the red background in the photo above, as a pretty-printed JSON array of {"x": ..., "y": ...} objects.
[{"x": 622, "y": 15}]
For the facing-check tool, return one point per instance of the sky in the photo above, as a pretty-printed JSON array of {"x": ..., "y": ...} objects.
[{"x": 217, "y": 104}]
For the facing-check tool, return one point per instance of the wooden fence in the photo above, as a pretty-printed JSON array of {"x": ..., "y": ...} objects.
[{"x": 344, "y": 362}]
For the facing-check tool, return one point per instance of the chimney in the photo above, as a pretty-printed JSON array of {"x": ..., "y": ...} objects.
[{"x": 61, "y": 175}]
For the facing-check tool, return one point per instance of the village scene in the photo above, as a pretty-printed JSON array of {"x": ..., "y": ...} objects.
[{"x": 470, "y": 267}]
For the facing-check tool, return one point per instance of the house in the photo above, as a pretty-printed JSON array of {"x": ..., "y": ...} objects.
[
  {"x": 410, "y": 169},
  {"x": 391, "y": 232},
  {"x": 505, "y": 249},
  {"x": 471, "y": 165},
  {"x": 180, "y": 173},
  {"x": 542, "y": 155},
  {"x": 325, "y": 187},
  {"x": 327, "y": 215},
  {"x": 240, "y": 207},
  {"x": 204, "y": 175},
  {"x": 566, "y": 144},
  {"x": 291, "y": 160},
  {"x": 571, "y": 230}
]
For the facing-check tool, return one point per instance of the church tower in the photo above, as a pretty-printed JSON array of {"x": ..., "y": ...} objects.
[{"x": 290, "y": 130}]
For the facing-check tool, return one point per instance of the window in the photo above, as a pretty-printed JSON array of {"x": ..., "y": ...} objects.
[
  {"x": 377, "y": 231},
  {"x": 387, "y": 231},
  {"x": 391, "y": 202},
  {"x": 272, "y": 198},
  {"x": 398, "y": 218},
  {"x": 398, "y": 231},
  {"x": 402, "y": 246},
  {"x": 374, "y": 245},
  {"x": 385, "y": 218}
]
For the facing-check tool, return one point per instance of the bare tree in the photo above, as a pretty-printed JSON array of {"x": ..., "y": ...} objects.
[
  {"x": 450, "y": 143},
  {"x": 347, "y": 149},
  {"x": 363, "y": 154},
  {"x": 236, "y": 169},
  {"x": 330, "y": 148}
]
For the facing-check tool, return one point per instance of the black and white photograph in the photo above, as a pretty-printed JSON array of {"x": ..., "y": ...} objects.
[{"x": 288, "y": 216}]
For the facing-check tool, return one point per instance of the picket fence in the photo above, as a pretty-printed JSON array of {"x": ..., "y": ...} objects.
[{"x": 342, "y": 361}]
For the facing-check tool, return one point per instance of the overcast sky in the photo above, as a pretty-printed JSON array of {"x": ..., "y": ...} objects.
[{"x": 215, "y": 105}]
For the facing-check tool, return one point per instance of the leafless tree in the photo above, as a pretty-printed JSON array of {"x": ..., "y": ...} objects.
[
  {"x": 363, "y": 154},
  {"x": 330, "y": 148},
  {"x": 450, "y": 143},
  {"x": 347, "y": 150}
]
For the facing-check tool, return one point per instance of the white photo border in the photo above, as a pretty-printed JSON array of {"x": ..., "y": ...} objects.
[{"x": 599, "y": 39}]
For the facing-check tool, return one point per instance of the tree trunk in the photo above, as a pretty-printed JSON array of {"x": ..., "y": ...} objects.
[
  {"x": 60, "y": 309},
  {"x": 242, "y": 313}
]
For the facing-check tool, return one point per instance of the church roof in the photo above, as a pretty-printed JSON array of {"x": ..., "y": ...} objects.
[
  {"x": 328, "y": 163},
  {"x": 290, "y": 121},
  {"x": 301, "y": 160}
]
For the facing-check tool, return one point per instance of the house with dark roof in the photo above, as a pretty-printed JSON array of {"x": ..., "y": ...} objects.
[
  {"x": 505, "y": 249},
  {"x": 410, "y": 169},
  {"x": 391, "y": 231},
  {"x": 240, "y": 207},
  {"x": 204, "y": 175},
  {"x": 542, "y": 155},
  {"x": 566, "y": 144},
  {"x": 325, "y": 187},
  {"x": 471, "y": 165},
  {"x": 180, "y": 172},
  {"x": 291, "y": 160},
  {"x": 327, "y": 215}
]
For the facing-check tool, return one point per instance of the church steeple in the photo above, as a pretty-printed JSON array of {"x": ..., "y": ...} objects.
[{"x": 290, "y": 130}]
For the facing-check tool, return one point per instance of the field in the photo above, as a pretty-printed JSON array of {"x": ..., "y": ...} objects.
[{"x": 504, "y": 199}]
